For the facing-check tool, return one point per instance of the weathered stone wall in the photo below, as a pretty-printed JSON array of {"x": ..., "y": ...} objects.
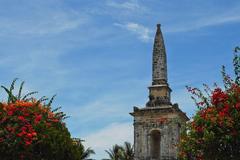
[{"x": 168, "y": 126}]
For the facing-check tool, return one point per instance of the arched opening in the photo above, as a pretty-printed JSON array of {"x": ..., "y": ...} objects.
[{"x": 155, "y": 144}]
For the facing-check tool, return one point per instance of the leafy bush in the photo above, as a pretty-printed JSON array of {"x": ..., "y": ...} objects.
[
  {"x": 31, "y": 130},
  {"x": 214, "y": 132}
]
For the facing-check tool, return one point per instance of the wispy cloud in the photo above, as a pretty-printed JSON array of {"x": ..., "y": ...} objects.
[
  {"x": 129, "y": 4},
  {"x": 38, "y": 20},
  {"x": 204, "y": 21},
  {"x": 72, "y": 48},
  {"x": 104, "y": 109},
  {"x": 108, "y": 107},
  {"x": 115, "y": 133},
  {"x": 58, "y": 23},
  {"x": 142, "y": 32}
]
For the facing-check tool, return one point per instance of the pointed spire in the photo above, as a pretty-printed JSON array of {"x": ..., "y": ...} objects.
[
  {"x": 159, "y": 68},
  {"x": 159, "y": 91}
]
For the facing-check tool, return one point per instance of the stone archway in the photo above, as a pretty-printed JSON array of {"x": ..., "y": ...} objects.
[{"x": 155, "y": 144}]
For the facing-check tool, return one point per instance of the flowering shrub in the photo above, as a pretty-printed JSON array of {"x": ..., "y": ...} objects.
[
  {"x": 214, "y": 132},
  {"x": 31, "y": 130}
]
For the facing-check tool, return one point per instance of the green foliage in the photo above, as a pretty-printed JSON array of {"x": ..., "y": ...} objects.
[
  {"x": 124, "y": 152},
  {"x": 214, "y": 131},
  {"x": 31, "y": 130},
  {"x": 85, "y": 153}
]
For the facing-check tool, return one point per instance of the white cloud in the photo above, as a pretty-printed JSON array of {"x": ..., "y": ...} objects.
[
  {"x": 129, "y": 5},
  {"x": 115, "y": 133},
  {"x": 108, "y": 107},
  {"x": 207, "y": 21},
  {"x": 41, "y": 20},
  {"x": 141, "y": 31},
  {"x": 57, "y": 23},
  {"x": 104, "y": 109}
]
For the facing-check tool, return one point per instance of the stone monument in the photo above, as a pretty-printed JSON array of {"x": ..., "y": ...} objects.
[{"x": 157, "y": 125}]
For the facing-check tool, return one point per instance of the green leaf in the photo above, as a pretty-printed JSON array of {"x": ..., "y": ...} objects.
[
  {"x": 11, "y": 97},
  {"x": 20, "y": 91},
  {"x": 51, "y": 100},
  {"x": 29, "y": 94}
]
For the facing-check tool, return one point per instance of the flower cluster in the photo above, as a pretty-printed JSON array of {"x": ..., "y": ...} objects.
[
  {"x": 24, "y": 123},
  {"x": 215, "y": 129},
  {"x": 31, "y": 130}
]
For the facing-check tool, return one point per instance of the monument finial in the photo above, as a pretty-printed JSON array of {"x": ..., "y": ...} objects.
[
  {"x": 159, "y": 91},
  {"x": 159, "y": 66}
]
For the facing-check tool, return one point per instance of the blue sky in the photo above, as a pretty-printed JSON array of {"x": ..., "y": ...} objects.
[{"x": 96, "y": 55}]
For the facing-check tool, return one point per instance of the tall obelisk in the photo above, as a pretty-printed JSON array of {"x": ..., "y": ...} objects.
[{"x": 157, "y": 126}]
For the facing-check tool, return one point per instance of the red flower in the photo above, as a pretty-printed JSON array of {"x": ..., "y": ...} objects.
[
  {"x": 222, "y": 114},
  {"x": 237, "y": 106},
  {"x": 218, "y": 96},
  {"x": 21, "y": 118},
  {"x": 226, "y": 110},
  {"x": 29, "y": 135},
  {"x": 20, "y": 134},
  {"x": 24, "y": 128},
  {"x": 56, "y": 120},
  {"x": 37, "y": 119},
  {"x": 10, "y": 113},
  {"x": 34, "y": 134},
  {"x": 27, "y": 143}
]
